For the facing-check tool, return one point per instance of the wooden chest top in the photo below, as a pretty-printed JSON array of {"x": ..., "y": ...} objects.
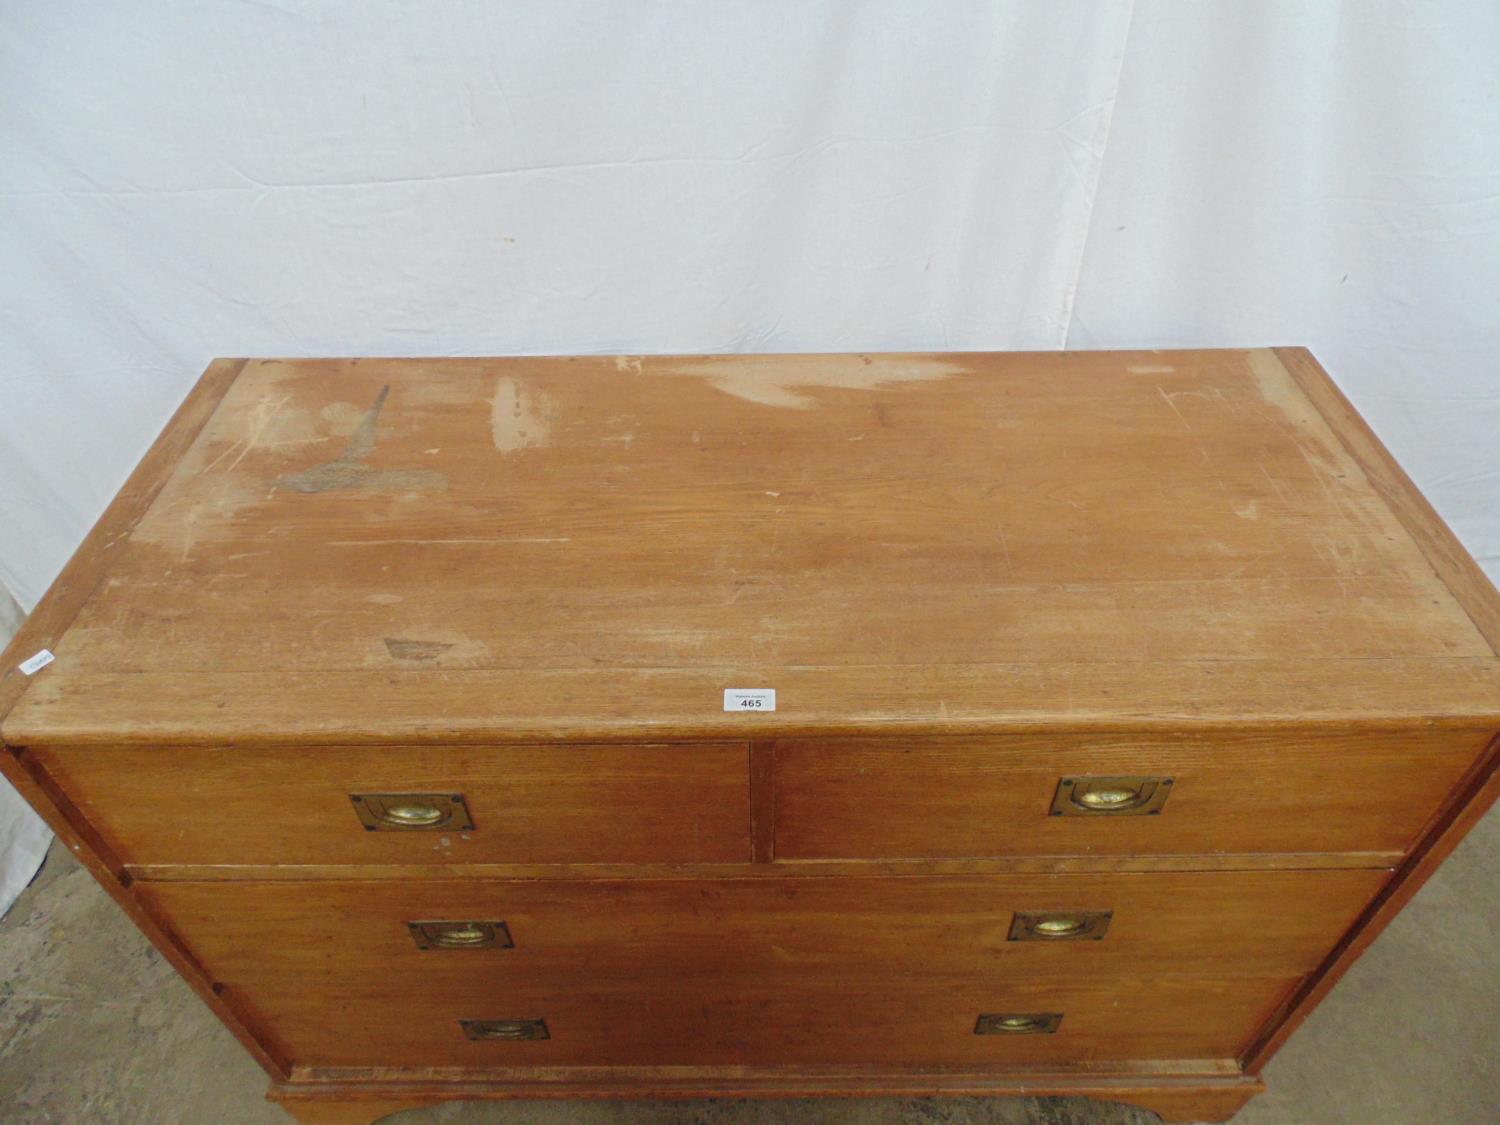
[{"x": 597, "y": 547}]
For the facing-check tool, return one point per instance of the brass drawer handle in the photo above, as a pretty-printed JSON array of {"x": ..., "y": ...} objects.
[
  {"x": 1018, "y": 1023},
  {"x": 461, "y": 935},
  {"x": 412, "y": 812},
  {"x": 1070, "y": 925},
  {"x": 1111, "y": 796},
  {"x": 508, "y": 1030}
]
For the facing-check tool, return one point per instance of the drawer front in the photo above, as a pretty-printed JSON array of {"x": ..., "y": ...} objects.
[
  {"x": 557, "y": 804},
  {"x": 863, "y": 799},
  {"x": 357, "y": 935},
  {"x": 598, "y": 1021}
]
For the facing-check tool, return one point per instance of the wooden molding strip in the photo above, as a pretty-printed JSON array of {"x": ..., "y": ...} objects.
[
  {"x": 762, "y": 869},
  {"x": 78, "y": 580},
  {"x": 1175, "y": 1096},
  {"x": 1469, "y": 584}
]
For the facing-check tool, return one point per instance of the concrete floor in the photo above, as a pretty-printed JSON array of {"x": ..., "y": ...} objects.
[{"x": 95, "y": 1027}]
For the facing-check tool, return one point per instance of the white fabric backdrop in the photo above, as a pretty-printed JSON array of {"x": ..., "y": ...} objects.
[{"x": 184, "y": 180}]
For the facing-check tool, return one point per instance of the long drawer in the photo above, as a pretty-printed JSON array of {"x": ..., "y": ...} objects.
[
  {"x": 353, "y": 935},
  {"x": 413, "y": 805},
  {"x": 1056, "y": 795},
  {"x": 598, "y": 1021}
]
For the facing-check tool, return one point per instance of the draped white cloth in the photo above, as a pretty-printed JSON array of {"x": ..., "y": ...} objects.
[{"x": 183, "y": 180}]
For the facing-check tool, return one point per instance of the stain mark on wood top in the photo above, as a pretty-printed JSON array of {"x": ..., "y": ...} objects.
[
  {"x": 402, "y": 648},
  {"x": 776, "y": 380},
  {"x": 519, "y": 418},
  {"x": 350, "y": 469}
]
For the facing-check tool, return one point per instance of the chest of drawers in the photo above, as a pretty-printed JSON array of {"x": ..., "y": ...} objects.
[{"x": 783, "y": 725}]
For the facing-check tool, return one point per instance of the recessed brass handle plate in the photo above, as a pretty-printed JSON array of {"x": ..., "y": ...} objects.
[
  {"x": 508, "y": 1030},
  {"x": 412, "y": 812},
  {"x": 1018, "y": 1023},
  {"x": 1111, "y": 796},
  {"x": 461, "y": 935},
  {"x": 1060, "y": 925}
]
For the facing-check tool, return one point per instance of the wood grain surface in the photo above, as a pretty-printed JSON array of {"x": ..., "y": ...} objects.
[
  {"x": 300, "y": 935},
  {"x": 891, "y": 798},
  {"x": 611, "y": 1021},
  {"x": 599, "y": 546},
  {"x": 579, "y": 804}
]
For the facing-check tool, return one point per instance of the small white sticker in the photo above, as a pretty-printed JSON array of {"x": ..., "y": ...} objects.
[
  {"x": 36, "y": 663},
  {"x": 749, "y": 699}
]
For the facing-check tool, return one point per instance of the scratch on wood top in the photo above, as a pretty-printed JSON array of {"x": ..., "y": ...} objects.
[{"x": 349, "y": 470}]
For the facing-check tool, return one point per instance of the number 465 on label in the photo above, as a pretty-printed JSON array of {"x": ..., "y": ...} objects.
[{"x": 749, "y": 699}]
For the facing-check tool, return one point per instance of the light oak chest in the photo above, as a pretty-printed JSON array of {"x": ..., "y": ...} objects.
[{"x": 420, "y": 712}]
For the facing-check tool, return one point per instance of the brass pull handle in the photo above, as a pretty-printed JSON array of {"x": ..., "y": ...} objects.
[
  {"x": 1111, "y": 796},
  {"x": 461, "y": 935},
  {"x": 1071, "y": 925},
  {"x": 413, "y": 816},
  {"x": 412, "y": 812},
  {"x": 508, "y": 1030},
  {"x": 1017, "y": 1023},
  {"x": 1059, "y": 927}
]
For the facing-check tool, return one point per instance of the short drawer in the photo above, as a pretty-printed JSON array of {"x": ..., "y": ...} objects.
[
  {"x": 511, "y": 804},
  {"x": 597, "y": 1021},
  {"x": 353, "y": 935},
  {"x": 1174, "y": 794}
]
